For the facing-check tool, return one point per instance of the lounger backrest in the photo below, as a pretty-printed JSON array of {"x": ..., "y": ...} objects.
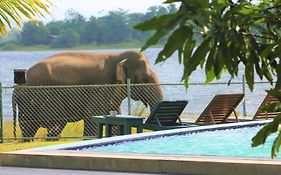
[
  {"x": 266, "y": 115},
  {"x": 219, "y": 109},
  {"x": 166, "y": 113}
]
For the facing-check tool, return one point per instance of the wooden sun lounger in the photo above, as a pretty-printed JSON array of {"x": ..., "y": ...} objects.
[
  {"x": 259, "y": 115},
  {"x": 219, "y": 109}
]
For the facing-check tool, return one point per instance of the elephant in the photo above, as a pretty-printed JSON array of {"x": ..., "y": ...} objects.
[{"x": 84, "y": 68}]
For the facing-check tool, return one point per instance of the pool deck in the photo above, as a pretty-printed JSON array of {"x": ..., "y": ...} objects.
[
  {"x": 52, "y": 157},
  {"x": 141, "y": 163},
  {"x": 43, "y": 171}
]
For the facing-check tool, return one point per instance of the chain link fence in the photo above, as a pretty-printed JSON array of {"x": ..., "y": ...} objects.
[{"x": 65, "y": 111}]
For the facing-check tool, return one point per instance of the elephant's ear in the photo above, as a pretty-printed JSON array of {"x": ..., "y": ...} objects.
[{"x": 121, "y": 72}]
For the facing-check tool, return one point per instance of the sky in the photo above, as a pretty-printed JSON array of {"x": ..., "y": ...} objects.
[{"x": 98, "y": 7}]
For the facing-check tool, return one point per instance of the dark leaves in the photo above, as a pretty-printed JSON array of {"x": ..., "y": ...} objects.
[
  {"x": 268, "y": 129},
  {"x": 163, "y": 25},
  {"x": 197, "y": 57},
  {"x": 276, "y": 145},
  {"x": 219, "y": 35},
  {"x": 261, "y": 136},
  {"x": 175, "y": 42}
]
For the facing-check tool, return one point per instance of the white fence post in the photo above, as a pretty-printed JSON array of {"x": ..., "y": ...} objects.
[
  {"x": 244, "y": 92},
  {"x": 129, "y": 95}
]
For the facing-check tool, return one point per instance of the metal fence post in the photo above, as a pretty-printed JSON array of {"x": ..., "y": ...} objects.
[
  {"x": 129, "y": 95},
  {"x": 244, "y": 92},
  {"x": 1, "y": 115}
]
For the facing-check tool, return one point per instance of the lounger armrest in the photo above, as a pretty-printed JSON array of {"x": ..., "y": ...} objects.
[
  {"x": 187, "y": 122},
  {"x": 245, "y": 120}
]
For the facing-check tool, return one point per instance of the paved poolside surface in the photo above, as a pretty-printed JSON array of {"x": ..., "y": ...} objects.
[{"x": 43, "y": 171}]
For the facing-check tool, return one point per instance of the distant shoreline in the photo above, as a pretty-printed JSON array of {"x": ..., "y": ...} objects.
[{"x": 125, "y": 45}]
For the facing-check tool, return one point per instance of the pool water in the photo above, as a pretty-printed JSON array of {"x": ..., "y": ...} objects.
[{"x": 227, "y": 143}]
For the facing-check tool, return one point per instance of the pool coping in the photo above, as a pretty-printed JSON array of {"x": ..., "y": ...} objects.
[
  {"x": 51, "y": 157},
  {"x": 150, "y": 135}
]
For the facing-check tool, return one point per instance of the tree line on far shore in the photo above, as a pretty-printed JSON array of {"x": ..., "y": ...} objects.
[{"x": 114, "y": 28}]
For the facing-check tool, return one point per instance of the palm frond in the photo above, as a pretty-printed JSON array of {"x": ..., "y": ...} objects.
[{"x": 14, "y": 11}]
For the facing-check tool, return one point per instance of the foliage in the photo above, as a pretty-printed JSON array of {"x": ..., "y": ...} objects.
[
  {"x": 74, "y": 20},
  {"x": 68, "y": 38},
  {"x": 91, "y": 32},
  {"x": 11, "y": 11},
  {"x": 55, "y": 27},
  {"x": 220, "y": 36},
  {"x": 9, "y": 46},
  {"x": 34, "y": 34},
  {"x": 112, "y": 28}
]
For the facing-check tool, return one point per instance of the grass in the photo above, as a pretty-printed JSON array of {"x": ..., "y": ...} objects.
[
  {"x": 13, "y": 146},
  {"x": 74, "y": 129},
  {"x": 71, "y": 129},
  {"x": 72, "y": 132}
]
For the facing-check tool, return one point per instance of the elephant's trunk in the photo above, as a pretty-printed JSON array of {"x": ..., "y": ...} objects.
[
  {"x": 158, "y": 96},
  {"x": 153, "y": 97}
]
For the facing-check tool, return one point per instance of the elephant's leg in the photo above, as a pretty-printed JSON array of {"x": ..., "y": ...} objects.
[
  {"x": 90, "y": 128},
  {"x": 54, "y": 131},
  {"x": 28, "y": 129}
]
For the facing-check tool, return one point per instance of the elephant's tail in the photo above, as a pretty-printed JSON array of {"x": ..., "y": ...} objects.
[{"x": 14, "y": 103}]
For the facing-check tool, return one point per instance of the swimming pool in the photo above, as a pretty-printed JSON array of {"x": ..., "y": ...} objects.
[
  {"x": 226, "y": 143},
  {"x": 107, "y": 158}
]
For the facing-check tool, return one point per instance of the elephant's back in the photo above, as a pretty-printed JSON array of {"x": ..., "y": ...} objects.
[
  {"x": 72, "y": 68},
  {"x": 93, "y": 56},
  {"x": 79, "y": 56},
  {"x": 79, "y": 61}
]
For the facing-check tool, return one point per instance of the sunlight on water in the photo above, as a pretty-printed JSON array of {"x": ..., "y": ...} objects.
[{"x": 230, "y": 143}]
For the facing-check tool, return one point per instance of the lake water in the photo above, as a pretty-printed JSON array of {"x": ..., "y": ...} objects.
[{"x": 168, "y": 72}]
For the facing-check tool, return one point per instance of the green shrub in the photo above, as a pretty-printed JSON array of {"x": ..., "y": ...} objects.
[
  {"x": 68, "y": 38},
  {"x": 9, "y": 46}
]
